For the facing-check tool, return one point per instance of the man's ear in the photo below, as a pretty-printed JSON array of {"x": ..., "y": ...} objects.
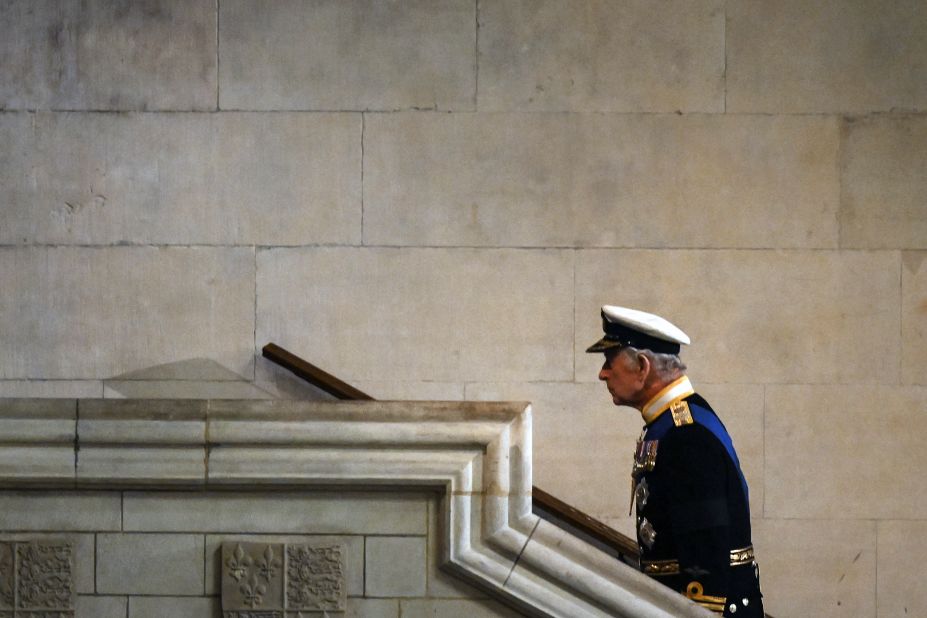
[{"x": 644, "y": 364}]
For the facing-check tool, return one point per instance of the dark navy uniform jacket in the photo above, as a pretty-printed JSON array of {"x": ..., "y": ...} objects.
[{"x": 693, "y": 514}]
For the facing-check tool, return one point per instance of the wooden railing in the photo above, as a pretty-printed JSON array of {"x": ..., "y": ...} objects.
[{"x": 545, "y": 505}]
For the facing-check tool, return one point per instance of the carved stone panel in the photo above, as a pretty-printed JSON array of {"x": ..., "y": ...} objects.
[
  {"x": 36, "y": 579},
  {"x": 277, "y": 580}
]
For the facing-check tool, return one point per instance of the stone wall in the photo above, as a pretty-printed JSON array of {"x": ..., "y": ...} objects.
[
  {"x": 431, "y": 200},
  {"x": 140, "y": 554}
]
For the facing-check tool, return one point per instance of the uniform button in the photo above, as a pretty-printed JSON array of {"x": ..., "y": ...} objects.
[
  {"x": 732, "y": 608},
  {"x": 746, "y": 602}
]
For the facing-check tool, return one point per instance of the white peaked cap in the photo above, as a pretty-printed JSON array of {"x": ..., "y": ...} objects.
[{"x": 630, "y": 327}]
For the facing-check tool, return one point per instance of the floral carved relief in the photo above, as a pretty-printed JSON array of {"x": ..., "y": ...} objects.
[
  {"x": 36, "y": 579},
  {"x": 276, "y": 580}
]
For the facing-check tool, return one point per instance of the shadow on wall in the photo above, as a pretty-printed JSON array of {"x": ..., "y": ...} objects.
[{"x": 204, "y": 378}]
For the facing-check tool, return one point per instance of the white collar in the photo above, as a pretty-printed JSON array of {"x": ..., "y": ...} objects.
[{"x": 671, "y": 393}]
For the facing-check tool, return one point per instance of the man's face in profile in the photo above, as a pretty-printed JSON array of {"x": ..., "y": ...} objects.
[{"x": 624, "y": 382}]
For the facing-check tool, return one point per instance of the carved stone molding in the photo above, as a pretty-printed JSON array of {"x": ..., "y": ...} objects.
[
  {"x": 36, "y": 579},
  {"x": 477, "y": 454}
]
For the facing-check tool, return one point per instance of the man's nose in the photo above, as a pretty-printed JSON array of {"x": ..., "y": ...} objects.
[{"x": 602, "y": 375}]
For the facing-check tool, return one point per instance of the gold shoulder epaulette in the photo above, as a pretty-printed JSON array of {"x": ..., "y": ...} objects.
[{"x": 681, "y": 414}]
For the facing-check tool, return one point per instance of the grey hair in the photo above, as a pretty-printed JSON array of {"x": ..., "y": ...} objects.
[{"x": 667, "y": 367}]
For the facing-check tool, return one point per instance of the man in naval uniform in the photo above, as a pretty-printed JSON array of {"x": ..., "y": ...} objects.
[{"x": 693, "y": 514}]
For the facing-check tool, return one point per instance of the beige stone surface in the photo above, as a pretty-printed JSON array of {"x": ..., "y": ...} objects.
[
  {"x": 37, "y": 421},
  {"x": 174, "y": 607},
  {"x": 354, "y": 557},
  {"x": 828, "y": 56},
  {"x": 914, "y": 318},
  {"x": 582, "y": 445},
  {"x": 394, "y": 566},
  {"x": 372, "y": 608},
  {"x": 137, "y": 465},
  {"x": 37, "y": 464},
  {"x": 357, "y": 55},
  {"x": 900, "y": 577},
  {"x": 412, "y": 391},
  {"x": 97, "y": 55},
  {"x": 150, "y": 564},
  {"x": 101, "y": 606},
  {"x": 94, "y": 312},
  {"x": 142, "y": 421},
  {"x": 64, "y": 389},
  {"x": 183, "y": 178},
  {"x": 754, "y": 316},
  {"x": 443, "y": 584},
  {"x": 817, "y": 568},
  {"x": 600, "y": 180},
  {"x": 450, "y": 608},
  {"x": 430, "y": 314},
  {"x": 60, "y": 511},
  {"x": 883, "y": 163},
  {"x": 292, "y": 512},
  {"x": 862, "y": 444},
  {"x": 190, "y": 369},
  {"x": 182, "y": 389},
  {"x": 633, "y": 56}
]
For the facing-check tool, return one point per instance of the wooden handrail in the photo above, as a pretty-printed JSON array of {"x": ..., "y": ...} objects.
[
  {"x": 554, "y": 508},
  {"x": 312, "y": 374}
]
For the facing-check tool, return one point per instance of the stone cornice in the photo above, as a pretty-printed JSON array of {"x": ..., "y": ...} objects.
[{"x": 477, "y": 454}]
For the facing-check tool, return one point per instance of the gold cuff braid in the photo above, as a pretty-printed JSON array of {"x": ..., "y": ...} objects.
[{"x": 739, "y": 557}]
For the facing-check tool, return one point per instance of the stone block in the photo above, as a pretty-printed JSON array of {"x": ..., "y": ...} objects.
[
  {"x": 353, "y": 556},
  {"x": 798, "y": 315},
  {"x": 173, "y": 607},
  {"x": 372, "y": 608},
  {"x": 600, "y": 180},
  {"x": 450, "y": 608},
  {"x": 139, "y": 421},
  {"x": 101, "y": 607},
  {"x": 914, "y": 318},
  {"x": 357, "y": 55},
  {"x": 860, "y": 442},
  {"x": 150, "y": 564},
  {"x": 605, "y": 57},
  {"x": 830, "y": 57},
  {"x": 395, "y": 566},
  {"x": 43, "y": 421},
  {"x": 901, "y": 545},
  {"x": 60, "y": 511},
  {"x": 315, "y": 512},
  {"x": 136, "y": 465},
  {"x": 37, "y": 464},
  {"x": 431, "y": 314},
  {"x": 184, "y": 179},
  {"x": 64, "y": 389},
  {"x": 158, "y": 55},
  {"x": 95, "y": 312},
  {"x": 883, "y": 182},
  {"x": 411, "y": 391},
  {"x": 182, "y": 389},
  {"x": 836, "y": 576}
]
